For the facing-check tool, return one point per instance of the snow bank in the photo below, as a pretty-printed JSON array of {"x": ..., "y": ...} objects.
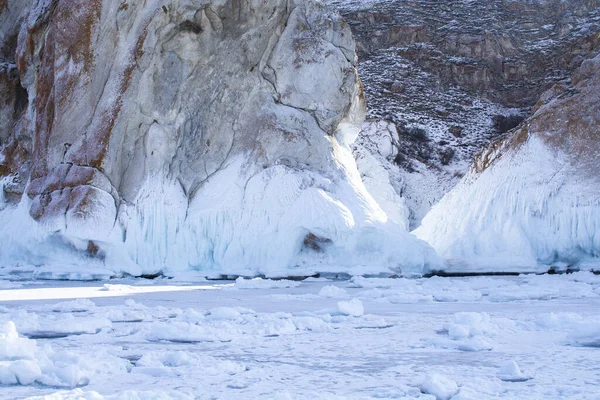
[{"x": 527, "y": 212}]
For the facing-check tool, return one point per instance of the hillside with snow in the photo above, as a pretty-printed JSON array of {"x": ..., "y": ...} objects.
[{"x": 532, "y": 199}]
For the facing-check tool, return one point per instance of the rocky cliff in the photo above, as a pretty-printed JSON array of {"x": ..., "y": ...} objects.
[
  {"x": 443, "y": 78},
  {"x": 532, "y": 198},
  {"x": 210, "y": 135}
]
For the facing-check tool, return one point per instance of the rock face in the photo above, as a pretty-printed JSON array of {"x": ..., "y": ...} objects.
[
  {"x": 449, "y": 76},
  {"x": 510, "y": 51},
  {"x": 15, "y": 139},
  {"x": 533, "y": 197},
  {"x": 191, "y": 134}
]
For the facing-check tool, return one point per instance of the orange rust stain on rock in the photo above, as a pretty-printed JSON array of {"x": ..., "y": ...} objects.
[
  {"x": 94, "y": 153},
  {"x": 45, "y": 107},
  {"x": 77, "y": 19}
]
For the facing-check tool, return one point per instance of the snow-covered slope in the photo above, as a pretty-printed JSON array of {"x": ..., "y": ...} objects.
[
  {"x": 181, "y": 135},
  {"x": 532, "y": 200}
]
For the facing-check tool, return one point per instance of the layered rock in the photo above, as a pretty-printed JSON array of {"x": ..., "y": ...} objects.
[
  {"x": 197, "y": 134},
  {"x": 510, "y": 51},
  {"x": 532, "y": 199}
]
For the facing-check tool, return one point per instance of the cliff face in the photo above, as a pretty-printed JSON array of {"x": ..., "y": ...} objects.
[
  {"x": 449, "y": 76},
  {"x": 509, "y": 51},
  {"x": 177, "y": 133},
  {"x": 531, "y": 198}
]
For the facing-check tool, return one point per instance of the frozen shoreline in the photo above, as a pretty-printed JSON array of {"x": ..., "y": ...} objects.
[{"x": 286, "y": 339}]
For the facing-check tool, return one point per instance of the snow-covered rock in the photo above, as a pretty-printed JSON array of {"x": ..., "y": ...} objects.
[
  {"x": 531, "y": 200},
  {"x": 189, "y": 134}
]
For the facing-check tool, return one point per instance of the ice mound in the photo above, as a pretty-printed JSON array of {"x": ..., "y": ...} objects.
[
  {"x": 184, "y": 332},
  {"x": 22, "y": 362},
  {"x": 14, "y": 347},
  {"x": 470, "y": 324},
  {"x": 225, "y": 324},
  {"x": 585, "y": 335},
  {"x": 332, "y": 291},
  {"x": 469, "y": 331},
  {"x": 179, "y": 363},
  {"x": 511, "y": 372},
  {"x": 441, "y": 387},
  {"x": 78, "y": 305},
  {"x": 353, "y": 308},
  {"x": 558, "y": 321}
]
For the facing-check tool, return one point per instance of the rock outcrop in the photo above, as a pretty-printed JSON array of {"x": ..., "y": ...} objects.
[
  {"x": 209, "y": 135},
  {"x": 532, "y": 198}
]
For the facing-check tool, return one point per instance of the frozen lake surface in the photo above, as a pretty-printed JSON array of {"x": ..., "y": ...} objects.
[{"x": 526, "y": 337}]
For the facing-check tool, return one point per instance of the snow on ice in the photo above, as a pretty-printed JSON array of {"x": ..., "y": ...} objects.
[{"x": 355, "y": 339}]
